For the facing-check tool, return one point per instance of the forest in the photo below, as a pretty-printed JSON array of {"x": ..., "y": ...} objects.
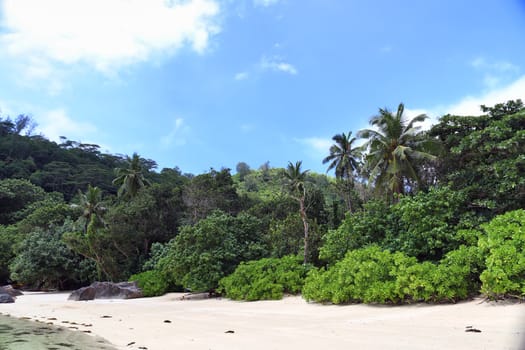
[{"x": 410, "y": 215}]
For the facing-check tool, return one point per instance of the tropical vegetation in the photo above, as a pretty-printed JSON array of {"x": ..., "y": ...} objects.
[{"x": 409, "y": 215}]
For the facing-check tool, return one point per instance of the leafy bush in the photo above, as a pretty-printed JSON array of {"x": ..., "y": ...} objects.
[
  {"x": 15, "y": 196},
  {"x": 463, "y": 267},
  {"x": 265, "y": 279},
  {"x": 44, "y": 261},
  {"x": 357, "y": 230},
  {"x": 504, "y": 246},
  {"x": 153, "y": 283},
  {"x": 456, "y": 277},
  {"x": 426, "y": 224},
  {"x": 373, "y": 275},
  {"x": 286, "y": 237},
  {"x": 211, "y": 249},
  {"x": 364, "y": 275},
  {"x": 157, "y": 252},
  {"x": 9, "y": 237}
]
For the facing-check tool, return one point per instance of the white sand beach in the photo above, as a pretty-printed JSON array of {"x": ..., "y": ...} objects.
[{"x": 167, "y": 322}]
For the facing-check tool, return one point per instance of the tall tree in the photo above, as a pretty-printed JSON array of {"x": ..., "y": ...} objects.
[
  {"x": 484, "y": 157},
  {"x": 295, "y": 178},
  {"x": 131, "y": 178},
  {"x": 395, "y": 149},
  {"x": 243, "y": 169},
  {"x": 208, "y": 192},
  {"x": 345, "y": 159},
  {"x": 91, "y": 204}
]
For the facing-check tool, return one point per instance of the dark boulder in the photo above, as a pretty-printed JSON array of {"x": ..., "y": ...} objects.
[
  {"x": 84, "y": 293},
  {"x": 107, "y": 290},
  {"x": 10, "y": 290},
  {"x": 6, "y": 298}
]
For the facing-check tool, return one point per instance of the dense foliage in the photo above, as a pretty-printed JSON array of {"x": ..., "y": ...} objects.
[
  {"x": 202, "y": 254},
  {"x": 373, "y": 275},
  {"x": 152, "y": 283},
  {"x": 424, "y": 226},
  {"x": 484, "y": 157},
  {"x": 265, "y": 279},
  {"x": 503, "y": 242},
  {"x": 412, "y": 215},
  {"x": 44, "y": 261},
  {"x": 65, "y": 167}
]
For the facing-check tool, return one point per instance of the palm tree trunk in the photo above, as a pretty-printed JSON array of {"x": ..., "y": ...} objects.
[{"x": 305, "y": 225}]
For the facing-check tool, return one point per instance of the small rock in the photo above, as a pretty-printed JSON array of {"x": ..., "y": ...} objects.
[
  {"x": 107, "y": 290},
  {"x": 6, "y": 298},
  {"x": 11, "y": 291},
  {"x": 472, "y": 329}
]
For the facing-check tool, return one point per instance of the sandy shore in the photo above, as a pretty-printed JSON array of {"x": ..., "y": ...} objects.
[{"x": 167, "y": 322}]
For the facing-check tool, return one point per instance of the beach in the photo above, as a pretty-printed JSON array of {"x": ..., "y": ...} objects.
[{"x": 177, "y": 322}]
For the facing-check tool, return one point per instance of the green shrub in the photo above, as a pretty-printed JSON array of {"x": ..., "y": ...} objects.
[
  {"x": 157, "y": 252},
  {"x": 286, "y": 237},
  {"x": 459, "y": 272},
  {"x": 44, "y": 261},
  {"x": 426, "y": 224},
  {"x": 373, "y": 275},
  {"x": 504, "y": 247},
  {"x": 153, "y": 283},
  {"x": 9, "y": 237},
  {"x": 202, "y": 254},
  {"x": 364, "y": 275},
  {"x": 423, "y": 226},
  {"x": 265, "y": 279},
  {"x": 358, "y": 229}
]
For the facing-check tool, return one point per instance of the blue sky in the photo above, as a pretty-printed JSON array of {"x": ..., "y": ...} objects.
[{"x": 209, "y": 83}]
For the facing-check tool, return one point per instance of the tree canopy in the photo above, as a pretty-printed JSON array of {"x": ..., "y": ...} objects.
[{"x": 410, "y": 216}]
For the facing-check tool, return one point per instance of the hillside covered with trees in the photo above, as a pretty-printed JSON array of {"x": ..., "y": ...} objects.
[{"x": 411, "y": 215}]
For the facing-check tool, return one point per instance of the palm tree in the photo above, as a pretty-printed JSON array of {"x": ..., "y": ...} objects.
[
  {"x": 394, "y": 148},
  {"x": 91, "y": 203},
  {"x": 295, "y": 178},
  {"x": 345, "y": 159},
  {"x": 130, "y": 178}
]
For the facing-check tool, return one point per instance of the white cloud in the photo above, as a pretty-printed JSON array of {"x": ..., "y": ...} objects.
[
  {"x": 55, "y": 123},
  {"x": 265, "y": 3},
  {"x": 276, "y": 63},
  {"x": 470, "y": 105},
  {"x": 412, "y": 113},
  {"x": 36, "y": 69},
  {"x": 317, "y": 146},
  {"x": 241, "y": 76},
  {"x": 500, "y": 66},
  {"x": 177, "y": 135},
  {"x": 104, "y": 34},
  {"x": 495, "y": 73}
]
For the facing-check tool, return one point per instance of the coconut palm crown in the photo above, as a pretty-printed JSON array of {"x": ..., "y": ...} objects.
[
  {"x": 131, "y": 178},
  {"x": 344, "y": 158},
  {"x": 395, "y": 148}
]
